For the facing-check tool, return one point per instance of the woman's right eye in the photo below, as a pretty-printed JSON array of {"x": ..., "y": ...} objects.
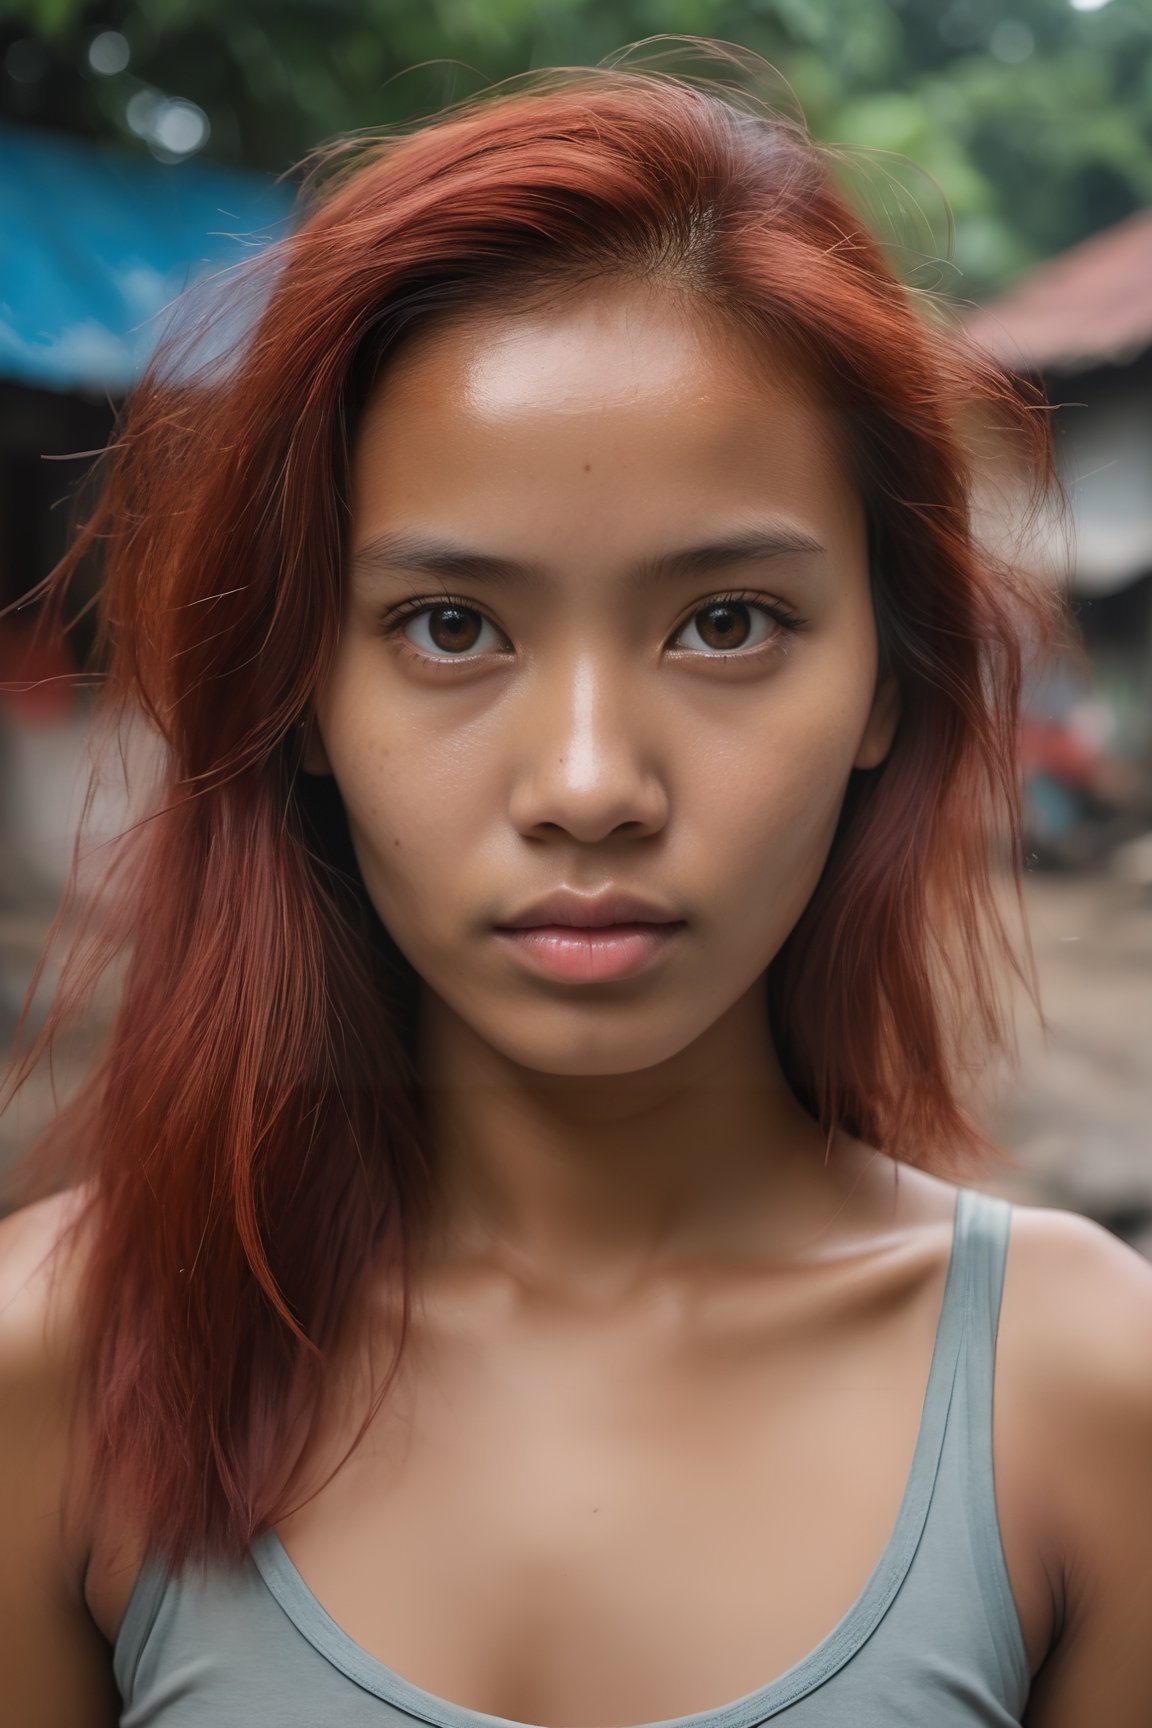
[{"x": 441, "y": 632}]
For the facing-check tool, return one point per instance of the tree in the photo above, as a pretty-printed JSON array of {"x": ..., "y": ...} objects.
[{"x": 1032, "y": 118}]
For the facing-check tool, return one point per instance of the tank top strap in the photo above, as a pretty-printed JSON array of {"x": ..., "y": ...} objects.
[
  {"x": 957, "y": 1409},
  {"x": 959, "y": 1308},
  {"x": 967, "y": 1512},
  {"x": 983, "y": 1225},
  {"x": 969, "y": 1311}
]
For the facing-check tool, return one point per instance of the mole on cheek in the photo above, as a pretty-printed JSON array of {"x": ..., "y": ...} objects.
[{"x": 587, "y": 467}]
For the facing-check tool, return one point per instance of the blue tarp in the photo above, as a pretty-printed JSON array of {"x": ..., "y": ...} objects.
[{"x": 96, "y": 243}]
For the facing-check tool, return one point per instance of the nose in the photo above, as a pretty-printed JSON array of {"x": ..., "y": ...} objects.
[{"x": 590, "y": 763}]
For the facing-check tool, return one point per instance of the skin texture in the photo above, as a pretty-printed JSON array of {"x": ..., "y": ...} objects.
[
  {"x": 669, "y": 1350},
  {"x": 575, "y": 747}
]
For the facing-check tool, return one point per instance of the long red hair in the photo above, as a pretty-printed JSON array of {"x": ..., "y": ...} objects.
[{"x": 249, "y": 1142}]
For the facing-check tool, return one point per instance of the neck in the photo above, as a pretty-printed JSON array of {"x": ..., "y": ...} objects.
[{"x": 597, "y": 1185}]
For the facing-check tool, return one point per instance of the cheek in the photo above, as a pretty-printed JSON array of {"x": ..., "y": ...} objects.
[
  {"x": 776, "y": 789},
  {"x": 412, "y": 807},
  {"x": 766, "y": 815}
]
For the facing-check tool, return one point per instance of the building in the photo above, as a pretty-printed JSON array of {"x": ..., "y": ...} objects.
[
  {"x": 1081, "y": 324},
  {"x": 96, "y": 247}
]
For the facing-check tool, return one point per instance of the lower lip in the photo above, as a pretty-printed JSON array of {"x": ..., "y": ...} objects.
[{"x": 592, "y": 956}]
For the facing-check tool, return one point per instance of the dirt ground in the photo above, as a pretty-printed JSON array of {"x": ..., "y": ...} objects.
[{"x": 1077, "y": 1117}]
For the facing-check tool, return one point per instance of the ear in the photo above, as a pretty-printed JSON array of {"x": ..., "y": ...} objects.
[
  {"x": 882, "y": 723},
  {"x": 314, "y": 757}
]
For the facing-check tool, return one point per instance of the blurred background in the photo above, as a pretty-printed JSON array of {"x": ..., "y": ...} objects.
[{"x": 144, "y": 145}]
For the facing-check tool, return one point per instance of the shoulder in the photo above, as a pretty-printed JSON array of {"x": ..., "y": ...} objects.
[
  {"x": 29, "y": 1238},
  {"x": 1074, "y": 1382},
  {"x": 39, "y": 1312},
  {"x": 55, "y": 1663},
  {"x": 39, "y": 1274},
  {"x": 1079, "y": 1302},
  {"x": 1075, "y": 1331}
]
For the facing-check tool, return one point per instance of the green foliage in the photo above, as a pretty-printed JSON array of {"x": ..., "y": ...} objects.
[{"x": 1023, "y": 124}]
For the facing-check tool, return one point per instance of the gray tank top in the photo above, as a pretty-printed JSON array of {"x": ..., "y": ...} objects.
[{"x": 934, "y": 1637}]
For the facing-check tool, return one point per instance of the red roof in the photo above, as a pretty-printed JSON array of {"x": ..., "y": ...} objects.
[{"x": 1091, "y": 304}]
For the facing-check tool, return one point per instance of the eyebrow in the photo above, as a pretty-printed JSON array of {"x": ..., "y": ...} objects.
[{"x": 396, "y": 552}]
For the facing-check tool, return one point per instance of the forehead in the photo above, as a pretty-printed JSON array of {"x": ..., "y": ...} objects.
[{"x": 622, "y": 402}]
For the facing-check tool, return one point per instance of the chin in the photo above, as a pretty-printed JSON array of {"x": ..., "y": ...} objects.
[{"x": 596, "y": 1051}]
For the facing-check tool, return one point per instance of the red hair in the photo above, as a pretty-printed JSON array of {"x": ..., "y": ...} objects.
[{"x": 249, "y": 1142}]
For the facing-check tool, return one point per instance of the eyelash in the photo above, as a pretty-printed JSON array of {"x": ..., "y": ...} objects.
[{"x": 392, "y": 622}]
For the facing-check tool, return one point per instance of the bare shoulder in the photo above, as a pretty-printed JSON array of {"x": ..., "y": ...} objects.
[
  {"x": 38, "y": 1282},
  {"x": 57, "y": 1668},
  {"x": 1080, "y": 1301},
  {"x": 39, "y": 1310},
  {"x": 1074, "y": 1378},
  {"x": 1076, "y": 1317}
]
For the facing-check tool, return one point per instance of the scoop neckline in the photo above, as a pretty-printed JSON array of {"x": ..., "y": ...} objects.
[{"x": 834, "y": 1650}]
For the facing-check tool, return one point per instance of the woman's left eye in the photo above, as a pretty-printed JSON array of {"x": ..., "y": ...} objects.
[
  {"x": 730, "y": 626},
  {"x": 729, "y": 623}
]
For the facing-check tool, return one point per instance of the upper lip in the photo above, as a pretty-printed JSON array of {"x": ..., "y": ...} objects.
[{"x": 588, "y": 911}]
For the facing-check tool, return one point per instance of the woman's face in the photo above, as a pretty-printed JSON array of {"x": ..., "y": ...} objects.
[{"x": 657, "y": 671}]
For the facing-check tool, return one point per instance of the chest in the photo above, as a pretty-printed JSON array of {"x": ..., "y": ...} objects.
[
  {"x": 578, "y": 1526},
  {"x": 552, "y": 1573}
]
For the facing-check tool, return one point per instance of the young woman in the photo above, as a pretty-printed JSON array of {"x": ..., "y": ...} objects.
[{"x": 516, "y": 1257}]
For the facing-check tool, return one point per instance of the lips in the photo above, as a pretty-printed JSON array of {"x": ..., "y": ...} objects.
[
  {"x": 590, "y": 954},
  {"x": 564, "y": 908}
]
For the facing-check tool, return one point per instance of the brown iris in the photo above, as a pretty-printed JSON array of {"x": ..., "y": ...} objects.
[
  {"x": 459, "y": 631},
  {"x": 731, "y": 627}
]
